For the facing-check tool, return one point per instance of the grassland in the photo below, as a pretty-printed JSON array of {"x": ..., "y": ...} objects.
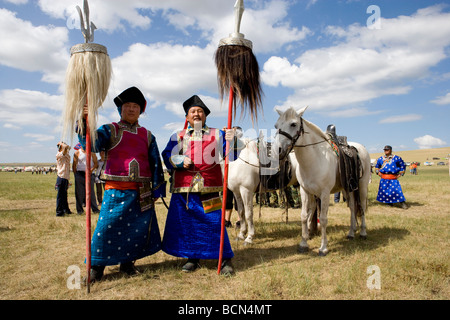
[{"x": 410, "y": 247}]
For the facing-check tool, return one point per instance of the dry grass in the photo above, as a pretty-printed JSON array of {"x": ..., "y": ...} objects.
[{"x": 409, "y": 246}]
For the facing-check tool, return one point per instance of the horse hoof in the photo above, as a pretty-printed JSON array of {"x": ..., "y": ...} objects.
[
  {"x": 363, "y": 237},
  {"x": 303, "y": 249},
  {"x": 323, "y": 253},
  {"x": 350, "y": 237},
  {"x": 248, "y": 243}
]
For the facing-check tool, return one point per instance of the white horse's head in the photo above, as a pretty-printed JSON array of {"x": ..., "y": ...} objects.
[{"x": 289, "y": 128}]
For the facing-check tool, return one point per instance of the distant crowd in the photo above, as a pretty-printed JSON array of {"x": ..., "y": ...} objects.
[{"x": 33, "y": 170}]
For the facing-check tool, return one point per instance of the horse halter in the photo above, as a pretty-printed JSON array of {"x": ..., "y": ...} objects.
[{"x": 294, "y": 138}]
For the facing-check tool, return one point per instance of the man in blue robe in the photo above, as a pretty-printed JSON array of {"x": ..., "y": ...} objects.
[
  {"x": 192, "y": 156},
  {"x": 390, "y": 167},
  {"x": 127, "y": 228}
]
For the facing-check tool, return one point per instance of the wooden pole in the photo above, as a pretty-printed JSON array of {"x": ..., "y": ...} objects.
[
  {"x": 88, "y": 205},
  {"x": 225, "y": 180}
]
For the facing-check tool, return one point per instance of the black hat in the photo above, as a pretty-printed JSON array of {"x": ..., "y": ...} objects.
[
  {"x": 195, "y": 101},
  {"x": 387, "y": 148},
  {"x": 132, "y": 94}
]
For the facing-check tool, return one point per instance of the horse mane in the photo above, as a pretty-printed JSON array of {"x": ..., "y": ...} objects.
[
  {"x": 316, "y": 129},
  {"x": 291, "y": 113},
  {"x": 248, "y": 143}
]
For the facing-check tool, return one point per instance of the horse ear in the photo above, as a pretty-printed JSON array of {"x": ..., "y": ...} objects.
[
  {"x": 301, "y": 111},
  {"x": 280, "y": 112}
]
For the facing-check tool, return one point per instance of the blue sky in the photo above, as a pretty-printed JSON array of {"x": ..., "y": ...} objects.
[{"x": 380, "y": 83}]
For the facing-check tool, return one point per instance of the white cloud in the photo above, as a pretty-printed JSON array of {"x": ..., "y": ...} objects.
[
  {"x": 173, "y": 126},
  {"x": 107, "y": 15},
  {"x": 427, "y": 142},
  {"x": 153, "y": 67},
  {"x": 39, "y": 137},
  {"x": 364, "y": 64},
  {"x": 350, "y": 113},
  {"x": 11, "y": 126},
  {"x": 33, "y": 48},
  {"x": 29, "y": 99},
  {"x": 444, "y": 100},
  {"x": 30, "y": 108},
  {"x": 402, "y": 118},
  {"x": 17, "y": 1}
]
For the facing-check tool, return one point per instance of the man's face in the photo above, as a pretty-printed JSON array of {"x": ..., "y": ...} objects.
[
  {"x": 387, "y": 152},
  {"x": 196, "y": 114},
  {"x": 130, "y": 112}
]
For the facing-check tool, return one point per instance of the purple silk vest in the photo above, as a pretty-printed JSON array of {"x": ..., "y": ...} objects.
[{"x": 127, "y": 157}]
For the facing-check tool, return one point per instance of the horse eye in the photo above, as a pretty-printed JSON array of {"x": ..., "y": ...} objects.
[{"x": 293, "y": 125}]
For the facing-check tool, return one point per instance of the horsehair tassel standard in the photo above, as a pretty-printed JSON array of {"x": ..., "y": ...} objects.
[
  {"x": 87, "y": 82},
  {"x": 88, "y": 77},
  {"x": 237, "y": 68}
]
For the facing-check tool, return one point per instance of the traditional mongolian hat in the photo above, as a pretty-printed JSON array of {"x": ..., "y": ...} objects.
[
  {"x": 387, "y": 148},
  {"x": 132, "y": 94},
  {"x": 195, "y": 101}
]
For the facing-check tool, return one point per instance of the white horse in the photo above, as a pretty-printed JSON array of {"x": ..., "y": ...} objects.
[
  {"x": 318, "y": 172},
  {"x": 244, "y": 180}
]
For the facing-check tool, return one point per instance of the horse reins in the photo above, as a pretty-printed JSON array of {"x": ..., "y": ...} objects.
[{"x": 297, "y": 135}]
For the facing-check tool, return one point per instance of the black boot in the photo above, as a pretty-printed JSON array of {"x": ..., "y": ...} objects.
[
  {"x": 191, "y": 265},
  {"x": 96, "y": 273},
  {"x": 128, "y": 268},
  {"x": 227, "y": 268}
]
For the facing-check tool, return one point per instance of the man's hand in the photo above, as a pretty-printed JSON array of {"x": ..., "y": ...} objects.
[
  {"x": 187, "y": 162},
  {"x": 229, "y": 134}
]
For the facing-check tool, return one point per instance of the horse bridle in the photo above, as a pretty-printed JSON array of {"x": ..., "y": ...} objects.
[{"x": 294, "y": 138}]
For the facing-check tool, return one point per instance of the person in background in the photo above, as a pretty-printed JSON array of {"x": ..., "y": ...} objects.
[
  {"x": 62, "y": 180},
  {"x": 99, "y": 183},
  {"x": 79, "y": 171},
  {"x": 390, "y": 167},
  {"x": 413, "y": 167}
]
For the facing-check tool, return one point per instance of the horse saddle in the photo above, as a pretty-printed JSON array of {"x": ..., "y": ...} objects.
[
  {"x": 279, "y": 176},
  {"x": 349, "y": 162}
]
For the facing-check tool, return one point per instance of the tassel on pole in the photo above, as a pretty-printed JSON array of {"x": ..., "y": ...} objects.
[
  {"x": 238, "y": 68},
  {"x": 88, "y": 77},
  {"x": 238, "y": 74}
]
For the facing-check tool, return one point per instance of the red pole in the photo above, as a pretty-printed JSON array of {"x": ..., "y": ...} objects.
[
  {"x": 88, "y": 205},
  {"x": 225, "y": 181}
]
